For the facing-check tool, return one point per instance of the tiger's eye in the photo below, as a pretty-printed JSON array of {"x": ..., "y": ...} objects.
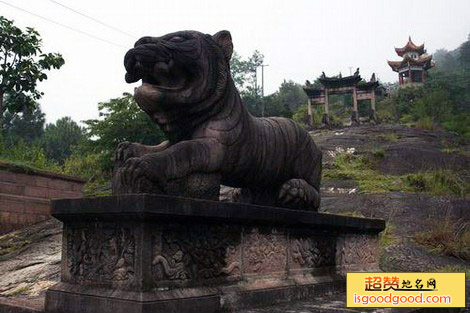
[{"x": 176, "y": 39}]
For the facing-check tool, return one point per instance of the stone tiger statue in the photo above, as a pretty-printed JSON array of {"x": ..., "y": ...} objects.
[{"x": 187, "y": 89}]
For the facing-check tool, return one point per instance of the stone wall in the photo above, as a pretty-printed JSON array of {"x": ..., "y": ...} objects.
[{"x": 25, "y": 195}]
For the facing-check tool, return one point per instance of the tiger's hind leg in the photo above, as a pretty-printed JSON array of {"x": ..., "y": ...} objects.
[{"x": 298, "y": 194}]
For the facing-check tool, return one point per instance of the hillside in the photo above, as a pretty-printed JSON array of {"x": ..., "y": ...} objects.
[{"x": 417, "y": 180}]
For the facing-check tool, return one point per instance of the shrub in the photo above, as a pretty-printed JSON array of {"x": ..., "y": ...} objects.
[
  {"x": 406, "y": 119},
  {"x": 378, "y": 152},
  {"x": 439, "y": 182},
  {"x": 425, "y": 122},
  {"x": 31, "y": 155},
  {"x": 89, "y": 167},
  {"x": 454, "y": 269},
  {"x": 448, "y": 237},
  {"x": 335, "y": 120},
  {"x": 458, "y": 123},
  {"x": 84, "y": 166},
  {"x": 391, "y": 137},
  {"x": 301, "y": 115},
  {"x": 435, "y": 105},
  {"x": 386, "y": 111}
]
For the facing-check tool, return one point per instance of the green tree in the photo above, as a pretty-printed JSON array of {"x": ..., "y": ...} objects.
[
  {"x": 291, "y": 95},
  {"x": 27, "y": 125},
  {"x": 274, "y": 106},
  {"x": 245, "y": 78},
  {"x": 121, "y": 120},
  {"x": 445, "y": 61},
  {"x": 244, "y": 72},
  {"x": 254, "y": 61},
  {"x": 464, "y": 54},
  {"x": 60, "y": 138},
  {"x": 238, "y": 70},
  {"x": 405, "y": 98},
  {"x": 285, "y": 100},
  {"x": 22, "y": 65},
  {"x": 434, "y": 104}
]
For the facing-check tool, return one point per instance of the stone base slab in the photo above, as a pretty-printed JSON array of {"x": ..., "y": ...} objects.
[
  {"x": 152, "y": 253},
  {"x": 65, "y": 298}
]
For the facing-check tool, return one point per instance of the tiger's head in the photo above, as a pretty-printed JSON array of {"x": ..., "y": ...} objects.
[{"x": 179, "y": 71}]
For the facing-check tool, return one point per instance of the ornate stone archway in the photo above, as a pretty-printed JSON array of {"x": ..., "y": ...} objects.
[{"x": 342, "y": 85}]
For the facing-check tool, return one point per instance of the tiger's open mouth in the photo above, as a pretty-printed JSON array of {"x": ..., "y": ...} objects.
[{"x": 160, "y": 71}]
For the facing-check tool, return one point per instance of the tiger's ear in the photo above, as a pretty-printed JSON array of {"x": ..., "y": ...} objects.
[{"x": 224, "y": 40}]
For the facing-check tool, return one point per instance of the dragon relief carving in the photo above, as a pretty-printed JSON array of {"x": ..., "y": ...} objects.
[
  {"x": 101, "y": 253},
  {"x": 357, "y": 249},
  {"x": 195, "y": 254},
  {"x": 265, "y": 253},
  {"x": 312, "y": 252}
]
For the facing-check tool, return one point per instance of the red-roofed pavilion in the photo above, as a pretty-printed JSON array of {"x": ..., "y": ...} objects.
[{"x": 414, "y": 64}]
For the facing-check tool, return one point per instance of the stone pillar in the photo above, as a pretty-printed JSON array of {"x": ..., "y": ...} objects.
[
  {"x": 354, "y": 114},
  {"x": 326, "y": 114},
  {"x": 373, "y": 115},
  {"x": 309, "y": 113}
]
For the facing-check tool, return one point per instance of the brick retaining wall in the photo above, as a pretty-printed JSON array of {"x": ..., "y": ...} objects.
[{"x": 25, "y": 194}]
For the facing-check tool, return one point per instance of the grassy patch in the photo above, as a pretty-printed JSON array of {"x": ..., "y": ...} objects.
[
  {"x": 387, "y": 237},
  {"x": 11, "y": 242},
  {"x": 439, "y": 182},
  {"x": 17, "y": 291},
  {"x": 359, "y": 168},
  {"x": 98, "y": 188},
  {"x": 450, "y": 150},
  {"x": 454, "y": 269},
  {"x": 465, "y": 153},
  {"x": 390, "y": 137},
  {"x": 425, "y": 122},
  {"x": 447, "y": 237},
  {"x": 378, "y": 152},
  {"x": 26, "y": 167},
  {"x": 458, "y": 151},
  {"x": 351, "y": 213}
]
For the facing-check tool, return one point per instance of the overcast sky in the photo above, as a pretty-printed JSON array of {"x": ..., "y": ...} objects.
[{"x": 299, "y": 39}]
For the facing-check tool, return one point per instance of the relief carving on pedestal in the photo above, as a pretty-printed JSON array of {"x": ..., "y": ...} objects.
[
  {"x": 101, "y": 252},
  {"x": 264, "y": 252},
  {"x": 186, "y": 253},
  {"x": 312, "y": 252},
  {"x": 357, "y": 249}
]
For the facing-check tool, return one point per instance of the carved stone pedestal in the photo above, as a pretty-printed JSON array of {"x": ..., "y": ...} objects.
[{"x": 152, "y": 253}]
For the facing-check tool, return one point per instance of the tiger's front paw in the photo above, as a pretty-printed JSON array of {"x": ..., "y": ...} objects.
[
  {"x": 127, "y": 150},
  {"x": 135, "y": 176},
  {"x": 298, "y": 194}
]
